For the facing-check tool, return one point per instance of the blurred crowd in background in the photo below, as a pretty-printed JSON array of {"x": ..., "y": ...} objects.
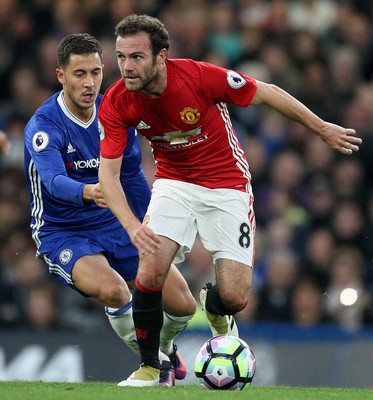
[{"x": 314, "y": 207}]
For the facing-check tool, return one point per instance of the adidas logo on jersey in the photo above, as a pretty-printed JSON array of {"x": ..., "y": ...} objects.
[
  {"x": 70, "y": 148},
  {"x": 142, "y": 125}
]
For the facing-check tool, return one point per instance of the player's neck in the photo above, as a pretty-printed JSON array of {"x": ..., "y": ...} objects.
[{"x": 83, "y": 115}]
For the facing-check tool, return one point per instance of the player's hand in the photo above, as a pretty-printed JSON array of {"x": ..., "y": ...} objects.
[
  {"x": 98, "y": 196},
  {"x": 5, "y": 144},
  {"x": 340, "y": 139},
  {"x": 145, "y": 240},
  {"x": 92, "y": 192}
]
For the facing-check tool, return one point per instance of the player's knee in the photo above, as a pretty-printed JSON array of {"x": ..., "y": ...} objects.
[
  {"x": 235, "y": 302},
  {"x": 180, "y": 306},
  {"x": 151, "y": 278},
  {"x": 115, "y": 295},
  {"x": 190, "y": 305}
]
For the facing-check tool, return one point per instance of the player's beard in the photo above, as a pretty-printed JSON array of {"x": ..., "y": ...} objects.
[{"x": 147, "y": 82}]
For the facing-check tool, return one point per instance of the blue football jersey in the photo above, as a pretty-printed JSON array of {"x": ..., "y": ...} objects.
[{"x": 61, "y": 156}]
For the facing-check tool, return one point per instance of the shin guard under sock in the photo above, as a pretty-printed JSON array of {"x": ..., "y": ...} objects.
[
  {"x": 148, "y": 319},
  {"x": 122, "y": 322}
]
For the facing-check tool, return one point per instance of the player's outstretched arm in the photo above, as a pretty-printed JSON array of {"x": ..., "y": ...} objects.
[
  {"x": 338, "y": 138},
  {"x": 145, "y": 240}
]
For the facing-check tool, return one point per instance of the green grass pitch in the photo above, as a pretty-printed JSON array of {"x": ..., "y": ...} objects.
[{"x": 19, "y": 390}]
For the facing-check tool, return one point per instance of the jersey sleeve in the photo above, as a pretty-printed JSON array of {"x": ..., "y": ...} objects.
[
  {"x": 43, "y": 141},
  {"x": 228, "y": 86},
  {"x": 113, "y": 132}
]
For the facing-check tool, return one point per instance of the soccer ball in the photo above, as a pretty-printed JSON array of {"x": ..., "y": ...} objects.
[{"x": 225, "y": 363}]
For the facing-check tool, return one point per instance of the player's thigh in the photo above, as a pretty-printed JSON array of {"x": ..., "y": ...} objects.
[
  {"x": 233, "y": 281},
  {"x": 122, "y": 255},
  {"x": 226, "y": 225},
  {"x": 170, "y": 215},
  {"x": 177, "y": 298},
  {"x": 93, "y": 276},
  {"x": 62, "y": 249}
]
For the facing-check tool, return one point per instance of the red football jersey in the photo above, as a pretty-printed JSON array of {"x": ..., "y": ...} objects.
[{"x": 188, "y": 126}]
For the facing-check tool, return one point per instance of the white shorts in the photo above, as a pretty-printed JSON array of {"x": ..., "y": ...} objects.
[{"x": 223, "y": 218}]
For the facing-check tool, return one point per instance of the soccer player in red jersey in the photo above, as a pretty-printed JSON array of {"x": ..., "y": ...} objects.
[{"x": 202, "y": 179}]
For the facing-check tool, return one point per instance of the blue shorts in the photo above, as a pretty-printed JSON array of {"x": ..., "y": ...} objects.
[{"x": 61, "y": 249}]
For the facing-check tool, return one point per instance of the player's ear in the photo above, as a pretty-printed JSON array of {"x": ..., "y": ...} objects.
[
  {"x": 162, "y": 56},
  {"x": 60, "y": 76}
]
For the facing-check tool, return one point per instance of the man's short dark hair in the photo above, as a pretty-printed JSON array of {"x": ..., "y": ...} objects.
[
  {"x": 133, "y": 24},
  {"x": 76, "y": 43}
]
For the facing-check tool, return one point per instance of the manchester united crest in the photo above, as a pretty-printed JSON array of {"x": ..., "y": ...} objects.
[{"x": 190, "y": 115}]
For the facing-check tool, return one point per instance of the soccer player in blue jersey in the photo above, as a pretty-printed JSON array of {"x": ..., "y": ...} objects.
[{"x": 75, "y": 233}]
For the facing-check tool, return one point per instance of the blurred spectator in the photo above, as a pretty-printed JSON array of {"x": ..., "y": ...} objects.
[
  {"x": 224, "y": 33},
  {"x": 348, "y": 180},
  {"x": 366, "y": 243},
  {"x": 47, "y": 62},
  {"x": 6, "y": 65},
  {"x": 11, "y": 218},
  {"x": 348, "y": 301},
  {"x": 306, "y": 48},
  {"x": 26, "y": 283},
  {"x": 41, "y": 308},
  {"x": 277, "y": 24},
  {"x": 102, "y": 16},
  {"x": 348, "y": 223},
  {"x": 274, "y": 297},
  {"x": 320, "y": 202},
  {"x": 315, "y": 89},
  {"x": 318, "y": 158},
  {"x": 280, "y": 234},
  {"x": 344, "y": 74},
  {"x": 307, "y": 305},
  {"x": 14, "y": 128},
  {"x": 26, "y": 92},
  {"x": 111, "y": 72},
  {"x": 258, "y": 160},
  {"x": 283, "y": 72},
  {"x": 318, "y": 255},
  {"x": 283, "y": 189},
  {"x": 273, "y": 132},
  {"x": 193, "y": 32},
  {"x": 316, "y": 16},
  {"x": 68, "y": 17}
]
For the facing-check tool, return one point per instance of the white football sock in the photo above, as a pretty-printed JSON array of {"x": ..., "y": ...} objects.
[
  {"x": 172, "y": 327},
  {"x": 122, "y": 322}
]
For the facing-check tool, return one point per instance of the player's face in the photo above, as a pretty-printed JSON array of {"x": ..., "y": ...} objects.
[
  {"x": 81, "y": 81},
  {"x": 137, "y": 64}
]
